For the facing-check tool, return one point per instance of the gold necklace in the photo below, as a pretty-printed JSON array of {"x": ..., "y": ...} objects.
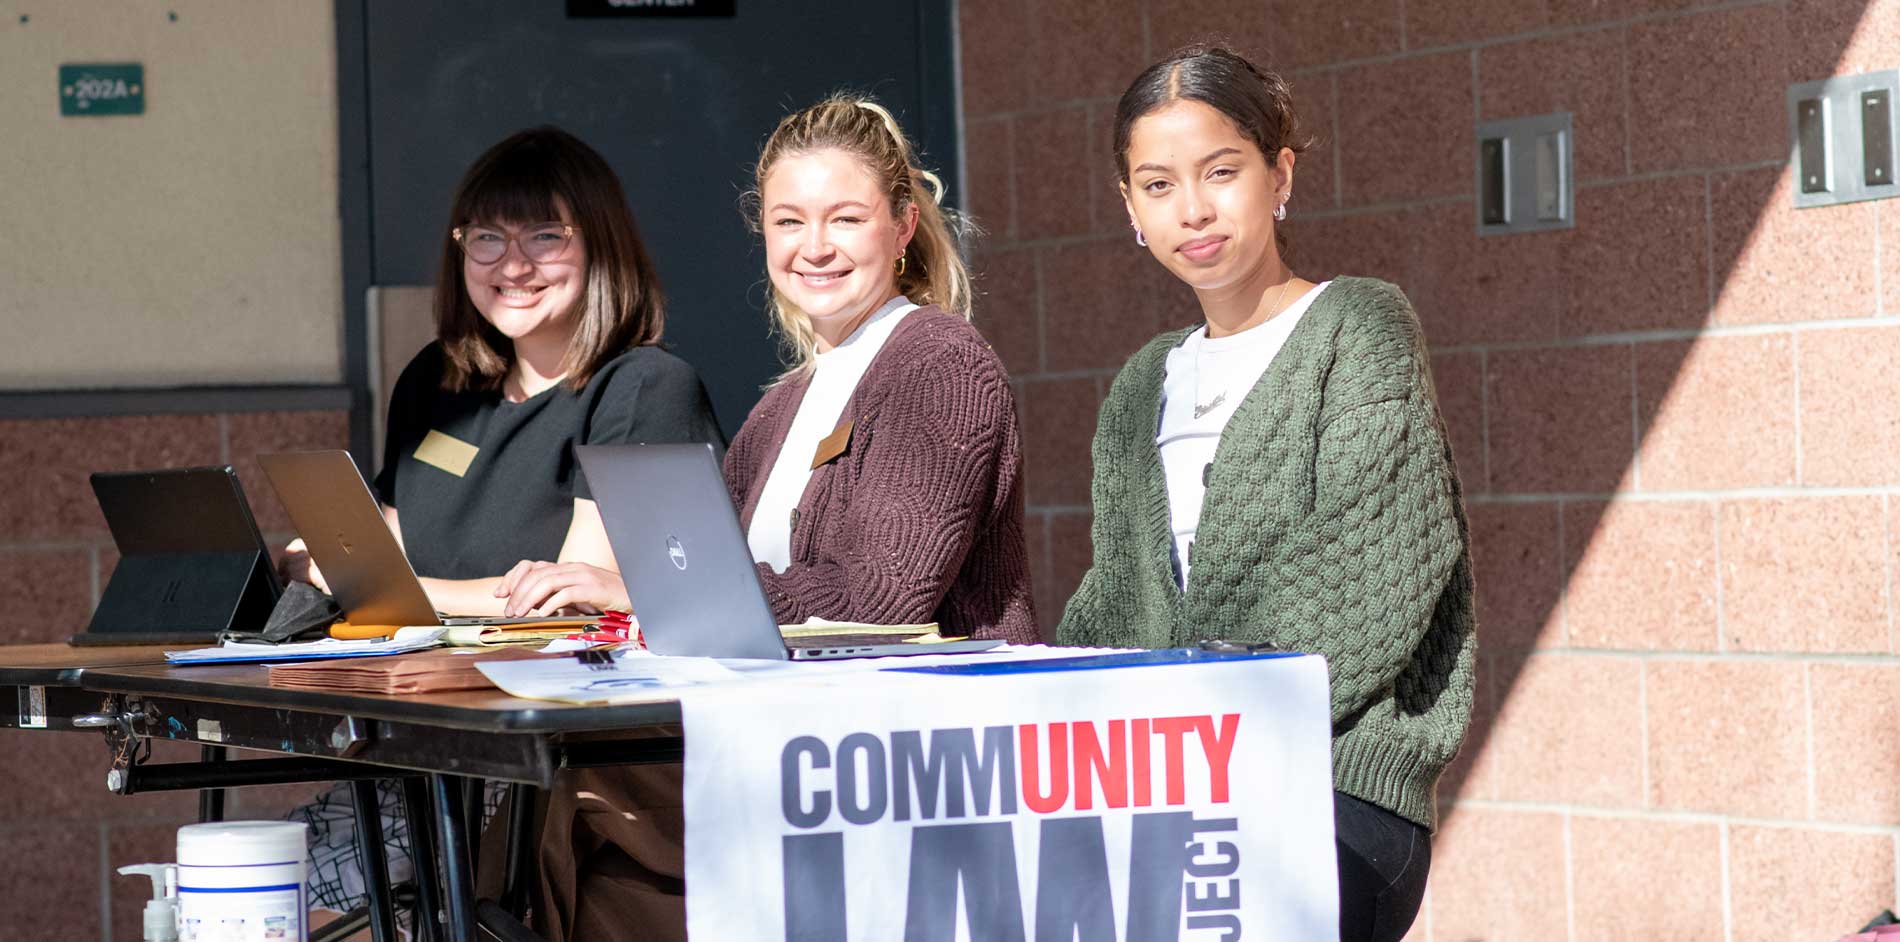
[{"x": 1201, "y": 409}]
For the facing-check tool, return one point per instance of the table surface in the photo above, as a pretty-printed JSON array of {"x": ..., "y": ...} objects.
[
  {"x": 141, "y": 669},
  {"x": 480, "y": 710},
  {"x": 61, "y": 664}
]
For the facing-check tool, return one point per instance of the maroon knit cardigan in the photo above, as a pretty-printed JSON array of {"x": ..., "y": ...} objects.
[{"x": 921, "y": 519}]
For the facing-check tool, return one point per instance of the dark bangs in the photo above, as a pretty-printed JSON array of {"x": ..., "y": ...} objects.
[
  {"x": 526, "y": 179},
  {"x": 515, "y": 189}
]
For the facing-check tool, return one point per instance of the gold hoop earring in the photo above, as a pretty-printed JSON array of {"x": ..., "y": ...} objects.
[{"x": 903, "y": 262}]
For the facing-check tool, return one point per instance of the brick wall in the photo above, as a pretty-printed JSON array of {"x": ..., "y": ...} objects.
[
  {"x": 62, "y": 833},
  {"x": 1676, "y": 424}
]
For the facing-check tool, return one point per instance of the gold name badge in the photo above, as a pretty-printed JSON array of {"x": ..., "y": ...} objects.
[
  {"x": 833, "y": 445},
  {"x": 446, "y": 452}
]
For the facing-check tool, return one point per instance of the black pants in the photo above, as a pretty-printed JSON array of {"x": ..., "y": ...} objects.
[{"x": 1383, "y": 859}]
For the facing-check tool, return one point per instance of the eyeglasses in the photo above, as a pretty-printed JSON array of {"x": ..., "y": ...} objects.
[{"x": 542, "y": 243}]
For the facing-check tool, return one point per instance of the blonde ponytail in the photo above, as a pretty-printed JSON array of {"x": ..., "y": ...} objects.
[{"x": 933, "y": 270}]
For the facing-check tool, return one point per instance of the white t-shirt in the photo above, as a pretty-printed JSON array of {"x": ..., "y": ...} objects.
[
  {"x": 1204, "y": 383},
  {"x": 834, "y": 378}
]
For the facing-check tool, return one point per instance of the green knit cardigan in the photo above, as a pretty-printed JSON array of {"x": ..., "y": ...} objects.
[{"x": 1333, "y": 524}]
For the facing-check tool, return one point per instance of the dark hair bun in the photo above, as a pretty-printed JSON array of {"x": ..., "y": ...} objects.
[{"x": 1258, "y": 101}]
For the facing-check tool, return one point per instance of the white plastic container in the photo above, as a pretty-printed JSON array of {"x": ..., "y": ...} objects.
[{"x": 242, "y": 881}]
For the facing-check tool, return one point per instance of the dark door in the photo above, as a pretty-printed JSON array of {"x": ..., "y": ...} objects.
[{"x": 679, "y": 106}]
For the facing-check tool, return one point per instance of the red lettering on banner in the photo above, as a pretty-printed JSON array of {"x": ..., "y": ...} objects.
[
  {"x": 1172, "y": 729},
  {"x": 1219, "y": 748},
  {"x": 1078, "y": 757},
  {"x": 1111, "y": 770},
  {"x": 1058, "y": 794},
  {"x": 1144, "y": 783}
]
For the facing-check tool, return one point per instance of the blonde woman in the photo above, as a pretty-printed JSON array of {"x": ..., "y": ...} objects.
[{"x": 878, "y": 480}]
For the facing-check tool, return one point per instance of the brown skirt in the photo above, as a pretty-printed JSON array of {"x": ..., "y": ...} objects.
[{"x": 613, "y": 856}]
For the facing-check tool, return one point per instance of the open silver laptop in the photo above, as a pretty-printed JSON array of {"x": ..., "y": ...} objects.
[
  {"x": 342, "y": 527},
  {"x": 688, "y": 569}
]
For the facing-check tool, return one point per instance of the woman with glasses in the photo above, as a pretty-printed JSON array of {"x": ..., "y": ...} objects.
[
  {"x": 547, "y": 339},
  {"x": 548, "y": 320}
]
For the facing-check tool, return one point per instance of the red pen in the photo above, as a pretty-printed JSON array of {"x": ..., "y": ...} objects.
[{"x": 613, "y": 637}]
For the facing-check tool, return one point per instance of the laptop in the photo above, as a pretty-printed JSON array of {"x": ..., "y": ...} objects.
[
  {"x": 191, "y": 562},
  {"x": 343, "y": 530},
  {"x": 687, "y": 567}
]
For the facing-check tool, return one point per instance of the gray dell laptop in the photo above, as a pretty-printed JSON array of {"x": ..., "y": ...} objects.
[{"x": 689, "y": 572}]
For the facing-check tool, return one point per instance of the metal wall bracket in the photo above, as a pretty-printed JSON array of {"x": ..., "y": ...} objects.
[
  {"x": 1842, "y": 137},
  {"x": 1525, "y": 182}
]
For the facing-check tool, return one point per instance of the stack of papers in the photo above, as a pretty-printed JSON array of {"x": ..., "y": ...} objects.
[
  {"x": 489, "y": 636},
  {"x": 403, "y": 641},
  {"x": 818, "y": 627},
  {"x": 423, "y": 672}
]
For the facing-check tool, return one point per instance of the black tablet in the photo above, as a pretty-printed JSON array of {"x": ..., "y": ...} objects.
[{"x": 191, "y": 562}]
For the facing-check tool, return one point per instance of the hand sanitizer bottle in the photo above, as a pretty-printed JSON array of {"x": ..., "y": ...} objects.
[{"x": 161, "y": 911}]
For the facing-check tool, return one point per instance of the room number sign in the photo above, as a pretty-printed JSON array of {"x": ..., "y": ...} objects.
[{"x": 99, "y": 89}]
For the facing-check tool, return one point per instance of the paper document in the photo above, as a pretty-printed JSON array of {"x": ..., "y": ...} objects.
[
  {"x": 640, "y": 677},
  {"x": 405, "y": 640},
  {"x": 631, "y": 676},
  {"x": 490, "y": 636}
]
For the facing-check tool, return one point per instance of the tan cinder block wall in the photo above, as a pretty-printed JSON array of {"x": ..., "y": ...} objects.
[
  {"x": 194, "y": 244},
  {"x": 1676, "y": 424}
]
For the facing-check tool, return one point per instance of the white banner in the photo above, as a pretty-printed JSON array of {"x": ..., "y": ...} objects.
[{"x": 1182, "y": 800}]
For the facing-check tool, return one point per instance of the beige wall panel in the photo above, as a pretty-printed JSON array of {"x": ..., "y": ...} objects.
[
  {"x": 401, "y": 323},
  {"x": 194, "y": 244}
]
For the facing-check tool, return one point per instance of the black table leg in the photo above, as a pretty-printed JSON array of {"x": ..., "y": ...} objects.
[
  {"x": 369, "y": 850},
  {"x": 522, "y": 850},
  {"x": 455, "y": 856},
  {"x": 211, "y": 800},
  {"x": 474, "y": 809},
  {"x": 415, "y": 800}
]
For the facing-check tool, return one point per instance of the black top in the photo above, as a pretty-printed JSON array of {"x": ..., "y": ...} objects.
[{"x": 515, "y": 500}]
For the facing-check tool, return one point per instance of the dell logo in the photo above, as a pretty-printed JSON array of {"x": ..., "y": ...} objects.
[{"x": 676, "y": 553}]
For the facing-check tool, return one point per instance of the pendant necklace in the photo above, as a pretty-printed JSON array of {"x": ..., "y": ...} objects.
[{"x": 1202, "y": 409}]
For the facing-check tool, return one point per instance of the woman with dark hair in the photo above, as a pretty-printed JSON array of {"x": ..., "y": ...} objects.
[
  {"x": 548, "y": 319},
  {"x": 1280, "y": 472}
]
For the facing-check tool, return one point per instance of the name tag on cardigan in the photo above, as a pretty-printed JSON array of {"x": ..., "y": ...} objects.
[
  {"x": 446, "y": 452},
  {"x": 833, "y": 445}
]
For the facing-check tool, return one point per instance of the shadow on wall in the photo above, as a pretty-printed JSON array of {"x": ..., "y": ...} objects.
[
  {"x": 1673, "y": 423},
  {"x": 1652, "y": 413}
]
